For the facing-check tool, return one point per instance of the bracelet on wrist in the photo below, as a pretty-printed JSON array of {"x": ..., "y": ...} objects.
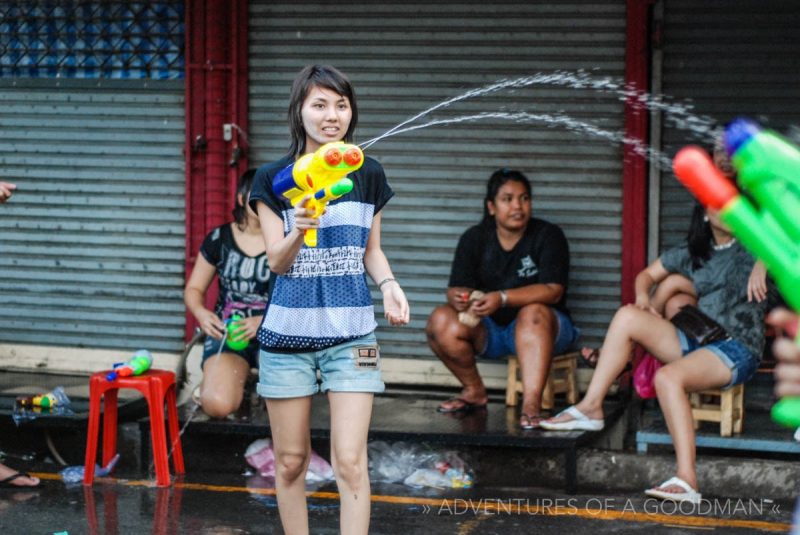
[
  {"x": 384, "y": 281},
  {"x": 503, "y": 298}
]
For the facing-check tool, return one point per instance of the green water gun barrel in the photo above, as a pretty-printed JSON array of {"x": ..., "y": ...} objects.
[{"x": 768, "y": 168}]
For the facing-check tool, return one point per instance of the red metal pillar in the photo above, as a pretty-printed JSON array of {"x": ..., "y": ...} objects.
[
  {"x": 634, "y": 171},
  {"x": 215, "y": 95}
]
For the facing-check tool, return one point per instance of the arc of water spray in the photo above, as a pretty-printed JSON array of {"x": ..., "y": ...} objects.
[
  {"x": 552, "y": 120},
  {"x": 679, "y": 115}
]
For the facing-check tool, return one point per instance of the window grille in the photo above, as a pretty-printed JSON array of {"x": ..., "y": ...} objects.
[{"x": 91, "y": 39}]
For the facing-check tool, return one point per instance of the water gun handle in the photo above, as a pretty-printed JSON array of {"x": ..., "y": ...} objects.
[
  {"x": 310, "y": 237},
  {"x": 320, "y": 199}
]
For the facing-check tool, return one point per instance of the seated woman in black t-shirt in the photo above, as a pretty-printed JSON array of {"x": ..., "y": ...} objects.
[
  {"x": 519, "y": 265},
  {"x": 237, "y": 254}
]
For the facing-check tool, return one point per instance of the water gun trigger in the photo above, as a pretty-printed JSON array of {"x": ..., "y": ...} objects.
[{"x": 315, "y": 208}]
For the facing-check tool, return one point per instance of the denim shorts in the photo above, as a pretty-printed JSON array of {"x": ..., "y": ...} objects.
[
  {"x": 211, "y": 349},
  {"x": 500, "y": 339},
  {"x": 353, "y": 366},
  {"x": 732, "y": 353}
]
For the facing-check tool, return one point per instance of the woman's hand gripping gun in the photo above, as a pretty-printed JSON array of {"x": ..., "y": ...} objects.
[{"x": 322, "y": 176}]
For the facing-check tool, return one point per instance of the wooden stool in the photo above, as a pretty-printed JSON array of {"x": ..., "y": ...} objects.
[
  {"x": 723, "y": 406},
  {"x": 158, "y": 388},
  {"x": 560, "y": 380}
]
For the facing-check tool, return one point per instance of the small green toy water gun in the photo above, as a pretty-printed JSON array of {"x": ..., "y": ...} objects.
[
  {"x": 768, "y": 168},
  {"x": 137, "y": 365},
  {"x": 232, "y": 335}
]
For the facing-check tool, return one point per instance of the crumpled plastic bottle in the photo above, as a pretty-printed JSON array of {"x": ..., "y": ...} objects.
[
  {"x": 451, "y": 478},
  {"x": 416, "y": 466},
  {"x": 53, "y": 403},
  {"x": 74, "y": 474}
]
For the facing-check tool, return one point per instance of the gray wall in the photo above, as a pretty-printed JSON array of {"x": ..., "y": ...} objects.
[
  {"x": 404, "y": 58},
  {"x": 727, "y": 59},
  {"x": 92, "y": 244}
]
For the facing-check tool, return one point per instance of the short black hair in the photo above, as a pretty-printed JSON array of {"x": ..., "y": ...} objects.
[{"x": 317, "y": 76}]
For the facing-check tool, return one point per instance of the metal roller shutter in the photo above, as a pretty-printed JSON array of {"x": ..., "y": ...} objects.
[
  {"x": 729, "y": 59},
  {"x": 406, "y": 57},
  {"x": 92, "y": 244}
]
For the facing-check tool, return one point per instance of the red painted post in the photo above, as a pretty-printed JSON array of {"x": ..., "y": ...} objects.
[
  {"x": 634, "y": 170},
  {"x": 215, "y": 95}
]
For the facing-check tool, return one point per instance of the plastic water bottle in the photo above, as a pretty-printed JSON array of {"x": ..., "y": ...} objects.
[{"x": 54, "y": 398}]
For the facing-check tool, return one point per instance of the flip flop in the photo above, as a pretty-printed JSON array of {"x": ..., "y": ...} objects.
[
  {"x": 591, "y": 358},
  {"x": 7, "y": 483},
  {"x": 531, "y": 421},
  {"x": 465, "y": 406},
  {"x": 688, "y": 495},
  {"x": 579, "y": 422}
]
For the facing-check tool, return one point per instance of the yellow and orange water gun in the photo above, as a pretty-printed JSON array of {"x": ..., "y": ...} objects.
[{"x": 322, "y": 175}]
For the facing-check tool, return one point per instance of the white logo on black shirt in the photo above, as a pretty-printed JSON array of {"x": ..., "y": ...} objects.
[{"x": 528, "y": 269}]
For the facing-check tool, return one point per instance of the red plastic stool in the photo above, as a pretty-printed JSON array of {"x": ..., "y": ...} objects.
[{"x": 158, "y": 388}]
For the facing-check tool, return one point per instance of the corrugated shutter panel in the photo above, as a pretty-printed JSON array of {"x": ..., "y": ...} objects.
[
  {"x": 736, "y": 58},
  {"x": 92, "y": 243},
  {"x": 404, "y": 58}
]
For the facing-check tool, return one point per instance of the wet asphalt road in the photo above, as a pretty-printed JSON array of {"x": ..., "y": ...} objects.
[{"x": 231, "y": 504}]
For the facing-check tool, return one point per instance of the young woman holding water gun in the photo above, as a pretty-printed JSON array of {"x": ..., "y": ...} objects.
[
  {"x": 321, "y": 315},
  {"x": 719, "y": 268},
  {"x": 234, "y": 252}
]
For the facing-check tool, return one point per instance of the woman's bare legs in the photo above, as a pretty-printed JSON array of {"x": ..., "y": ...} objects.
[
  {"x": 630, "y": 325},
  {"x": 672, "y": 293},
  {"x": 350, "y": 416},
  {"x": 456, "y": 346},
  {"x": 224, "y": 377},
  {"x": 290, "y": 421},
  {"x": 535, "y": 333},
  {"x": 699, "y": 370}
]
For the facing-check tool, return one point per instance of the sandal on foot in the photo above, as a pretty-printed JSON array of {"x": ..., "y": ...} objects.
[
  {"x": 462, "y": 405},
  {"x": 8, "y": 483},
  {"x": 530, "y": 421},
  {"x": 579, "y": 422},
  {"x": 688, "y": 495},
  {"x": 590, "y": 356}
]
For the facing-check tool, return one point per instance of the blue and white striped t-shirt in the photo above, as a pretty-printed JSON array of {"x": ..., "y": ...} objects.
[{"x": 324, "y": 299}]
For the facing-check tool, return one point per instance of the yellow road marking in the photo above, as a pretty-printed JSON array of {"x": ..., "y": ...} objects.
[{"x": 488, "y": 506}]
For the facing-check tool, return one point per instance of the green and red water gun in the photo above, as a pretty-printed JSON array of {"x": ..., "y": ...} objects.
[
  {"x": 137, "y": 365},
  {"x": 768, "y": 169}
]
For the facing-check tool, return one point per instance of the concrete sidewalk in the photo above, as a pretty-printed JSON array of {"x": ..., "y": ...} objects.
[{"x": 621, "y": 471}]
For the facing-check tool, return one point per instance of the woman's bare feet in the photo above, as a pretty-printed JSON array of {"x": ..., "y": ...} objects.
[
  {"x": 11, "y": 478},
  {"x": 469, "y": 399}
]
